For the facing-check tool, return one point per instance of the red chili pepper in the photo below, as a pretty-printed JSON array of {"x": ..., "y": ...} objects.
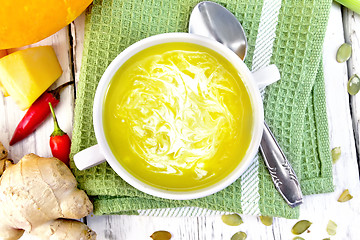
[
  {"x": 59, "y": 141},
  {"x": 37, "y": 113}
]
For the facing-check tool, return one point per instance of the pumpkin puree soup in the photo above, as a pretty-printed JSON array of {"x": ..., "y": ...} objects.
[{"x": 178, "y": 117}]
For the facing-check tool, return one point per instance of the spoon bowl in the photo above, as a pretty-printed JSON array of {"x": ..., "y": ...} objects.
[{"x": 212, "y": 20}]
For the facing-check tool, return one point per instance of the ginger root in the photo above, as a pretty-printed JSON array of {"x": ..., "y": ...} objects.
[
  {"x": 35, "y": 193},
  {"x": 4, "y": 162},
  {"x": 3, "y": 152}
]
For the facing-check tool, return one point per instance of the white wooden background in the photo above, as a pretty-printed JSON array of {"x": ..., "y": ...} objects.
[{"x": 344, "y": 127}]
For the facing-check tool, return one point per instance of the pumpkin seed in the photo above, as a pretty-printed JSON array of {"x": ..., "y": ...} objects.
[
  {"x": 239, "y": 236},
  {"x": 335, "y": 154},
  {"x": 353, "y": 85},
  {"x": 266, "y": 220},
  {"x": 300, "y": 227},
  {"x": 161, "y": 235},
  {"x": 232, "y": 219},
  {"x": 331, "y": 228},
  {"x": 298, "y": 238},
  {"x": 326, "y": 239},
  {"x": 345, "y": 196},
  {"x": 343, "y": 53}
]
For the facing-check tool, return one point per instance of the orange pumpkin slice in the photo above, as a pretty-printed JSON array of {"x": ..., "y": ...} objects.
[{"x": 24, "y": 22}]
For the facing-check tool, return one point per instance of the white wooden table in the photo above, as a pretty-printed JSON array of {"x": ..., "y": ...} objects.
[{"x": 344, "y": 127}]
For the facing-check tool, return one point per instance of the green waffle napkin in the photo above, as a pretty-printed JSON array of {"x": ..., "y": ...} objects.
[{"x": 294, "y": 106}]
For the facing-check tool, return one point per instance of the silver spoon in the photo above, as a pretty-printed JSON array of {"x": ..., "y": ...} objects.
[{"x": 212, "y": 20}]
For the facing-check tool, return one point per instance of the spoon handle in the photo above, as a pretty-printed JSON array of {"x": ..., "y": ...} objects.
[{"x": 281, "y": 172}]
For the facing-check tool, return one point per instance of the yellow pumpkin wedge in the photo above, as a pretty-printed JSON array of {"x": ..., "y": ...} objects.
[
  {"x": 24, "y": 22},
  {"x": 26, "y": 74}
]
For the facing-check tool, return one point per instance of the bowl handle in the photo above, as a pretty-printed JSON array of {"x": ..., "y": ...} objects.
[{"x": 89, "y": 157}]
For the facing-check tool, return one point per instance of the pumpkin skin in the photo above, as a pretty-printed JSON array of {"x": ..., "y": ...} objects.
[
  {"x": 24, "y": 22},
  {"x": 3, "y": 53}
]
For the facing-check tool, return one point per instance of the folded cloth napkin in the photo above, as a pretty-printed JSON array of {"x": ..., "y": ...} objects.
[{"x": 288, "y": 33}]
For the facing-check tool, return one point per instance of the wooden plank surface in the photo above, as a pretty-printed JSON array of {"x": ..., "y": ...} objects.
[
  {"x": 352, "y": 35},
  {"x": 77, "y": 34},
  {"x": 318, "y": 208}
]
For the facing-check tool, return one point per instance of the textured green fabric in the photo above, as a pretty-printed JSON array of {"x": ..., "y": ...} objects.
[{"x": 294, "y": 106}]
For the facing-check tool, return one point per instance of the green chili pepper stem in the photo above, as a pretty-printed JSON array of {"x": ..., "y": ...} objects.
[
  {"x": 56, "y": 91},
  {"x": 57, "y": 131}
]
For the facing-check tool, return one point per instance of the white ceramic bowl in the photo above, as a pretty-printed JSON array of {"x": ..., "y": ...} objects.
[{"x": 96, "y": 154}]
